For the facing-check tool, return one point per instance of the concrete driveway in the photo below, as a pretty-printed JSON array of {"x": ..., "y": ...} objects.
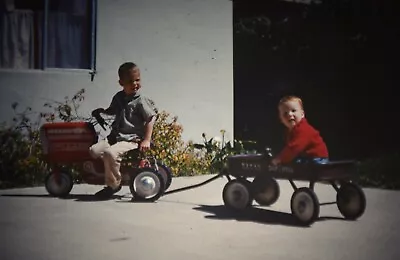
[{"x": 190, "y": 225}]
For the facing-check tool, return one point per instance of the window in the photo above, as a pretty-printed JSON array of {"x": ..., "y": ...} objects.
[{"x": 40, "y": 34}]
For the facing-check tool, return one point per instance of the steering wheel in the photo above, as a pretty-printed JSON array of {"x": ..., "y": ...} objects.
[{"x": 100, "y": 120}]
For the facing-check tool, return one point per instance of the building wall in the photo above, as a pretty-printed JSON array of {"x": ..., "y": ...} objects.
[{"x": 184, "y": 49}]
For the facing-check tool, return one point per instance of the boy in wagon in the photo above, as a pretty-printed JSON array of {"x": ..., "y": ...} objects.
[{"x": 303, "y": 143}]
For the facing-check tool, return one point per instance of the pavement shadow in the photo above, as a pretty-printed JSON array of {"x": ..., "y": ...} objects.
[
  {"x": 254, "y": 214},
  {"x": 125, "y": 198},
  {"x": 75, "y": 197},
  {"x": 137, "y": 201}
]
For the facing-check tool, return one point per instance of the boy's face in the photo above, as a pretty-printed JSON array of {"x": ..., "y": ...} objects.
[
  {"x": 290, "y": 113},
  {"x": 131, "y": 82}
]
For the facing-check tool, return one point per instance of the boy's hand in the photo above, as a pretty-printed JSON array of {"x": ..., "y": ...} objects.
[{"x": 144, "y": 145}]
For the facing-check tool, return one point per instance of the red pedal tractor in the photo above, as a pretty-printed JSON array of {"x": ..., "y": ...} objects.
[{"x": 68, "y": 143}]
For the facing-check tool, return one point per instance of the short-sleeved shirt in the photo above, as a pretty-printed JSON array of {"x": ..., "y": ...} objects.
[
  {"x": 303, "y": 141},
  {"x": 131, "y": 113}
]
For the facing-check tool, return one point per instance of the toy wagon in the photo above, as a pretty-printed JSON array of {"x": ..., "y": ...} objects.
[{"x": 239, "y": 192}]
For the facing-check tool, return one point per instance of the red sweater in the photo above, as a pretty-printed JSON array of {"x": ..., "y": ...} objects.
[{"x": 305, "y": 141}]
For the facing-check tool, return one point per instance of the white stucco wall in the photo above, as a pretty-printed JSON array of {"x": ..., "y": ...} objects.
[{"x": 185, "y": 51}]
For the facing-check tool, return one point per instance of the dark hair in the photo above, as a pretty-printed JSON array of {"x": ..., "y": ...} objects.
[{"x": 125, "y": 68}]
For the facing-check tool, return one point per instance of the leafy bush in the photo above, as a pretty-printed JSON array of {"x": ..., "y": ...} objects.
[
  {"x": 21, "y": 160},
  {"x": 170, "y": 149},
  {"x": 217, "y": 151},
  {"x": 66, "y": 111}
]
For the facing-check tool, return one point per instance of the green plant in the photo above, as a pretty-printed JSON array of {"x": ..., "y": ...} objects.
[
  {"x": 67, "y": 110},
  {"x": 21, "y": 160},
  {"x": 217, "y": 150},
  {"x": 170, "y": 149}
]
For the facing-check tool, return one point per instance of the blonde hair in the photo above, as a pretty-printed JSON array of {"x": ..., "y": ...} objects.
[{"x": 291, "y": 98}]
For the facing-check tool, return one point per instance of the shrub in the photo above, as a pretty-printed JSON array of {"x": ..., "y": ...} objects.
[
  {"x": 170, "y": 149},
  {"x": 21, "y": 155},
  {"x": 217, "y": 150},
  {"x": 22, "y": 162}
]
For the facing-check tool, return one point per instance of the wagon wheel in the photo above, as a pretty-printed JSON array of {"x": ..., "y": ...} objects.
[
  {"x": 351, "y": 201},
  {"x": 59, "y": 187},
  {"x": 266, "y": 190},
  {"x": 305, "y": 205},
  {"x": 146, "y": 185},
  {"x": 237, "y": 195}
]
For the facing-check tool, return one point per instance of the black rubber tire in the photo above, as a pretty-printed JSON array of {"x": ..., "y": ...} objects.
[
  {"x": 54, "y": 189},
  {"x": 351, "y": 201},
  {"x": 166, "y": 173},
  {"x": 140, "y": 195},
  {"x": 265, "y": 190},
  {"x": 305, "y": 206},
  {"x": 241, "y": 189}
]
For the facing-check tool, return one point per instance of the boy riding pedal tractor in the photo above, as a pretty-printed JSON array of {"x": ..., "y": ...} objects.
[{"x": 132, "y": 127}]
